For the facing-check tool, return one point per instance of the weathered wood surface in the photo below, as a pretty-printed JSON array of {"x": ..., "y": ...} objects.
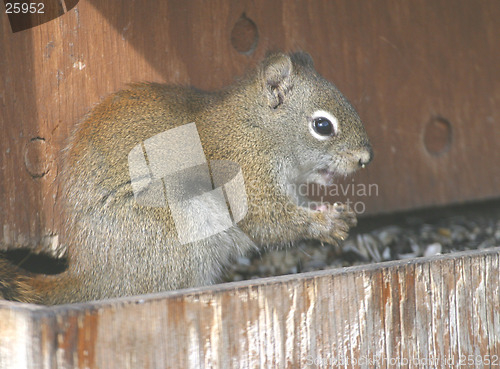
[
  {"x": 442, "y": 311},
  {"x": 424, "y": 76}
]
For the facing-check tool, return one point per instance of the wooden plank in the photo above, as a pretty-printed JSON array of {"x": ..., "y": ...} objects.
[
  {"x": 439, "y": 305},
  {"x": 427, "y": 312},
  {"x": 393, "y": 291},
  {"x": 423, "y": 75}
]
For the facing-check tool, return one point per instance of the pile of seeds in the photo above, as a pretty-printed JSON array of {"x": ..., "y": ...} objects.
[{"x": 381, "y": 239}]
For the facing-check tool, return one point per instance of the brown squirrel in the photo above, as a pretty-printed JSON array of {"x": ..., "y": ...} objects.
[{"x": 281, "y": 125}]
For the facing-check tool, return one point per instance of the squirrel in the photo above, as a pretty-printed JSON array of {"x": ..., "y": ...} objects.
[{"x": 281, "y": 125}]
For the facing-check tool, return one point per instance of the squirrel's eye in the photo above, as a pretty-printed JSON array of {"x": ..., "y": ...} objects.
[{"x": 323, "y": 126}]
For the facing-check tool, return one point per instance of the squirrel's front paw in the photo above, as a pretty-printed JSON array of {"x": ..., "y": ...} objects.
[{"x": 332, "y": 222}]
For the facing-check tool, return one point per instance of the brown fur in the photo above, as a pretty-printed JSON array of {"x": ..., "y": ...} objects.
[
  {"x": 16, "y": 285},
  {"x": 118, "y": 247}
]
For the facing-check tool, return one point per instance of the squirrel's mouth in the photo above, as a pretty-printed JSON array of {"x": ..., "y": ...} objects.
[
  {"x": 323, "y": 177},
  {"x": 327, "y": 176}
]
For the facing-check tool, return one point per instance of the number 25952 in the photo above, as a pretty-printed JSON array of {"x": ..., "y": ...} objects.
[{"x": 24, "y": 8}]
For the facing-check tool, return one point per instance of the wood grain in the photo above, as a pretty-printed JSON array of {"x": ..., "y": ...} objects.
[{"x": 429, "y": 312}]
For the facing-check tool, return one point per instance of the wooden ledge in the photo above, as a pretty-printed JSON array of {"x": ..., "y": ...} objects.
[{"x": 442, "y": 310}]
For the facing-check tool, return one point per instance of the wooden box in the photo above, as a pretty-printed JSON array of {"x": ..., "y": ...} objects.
[
  {"x": 439, "y": 312},
  {"x": 424, "y": 77}
]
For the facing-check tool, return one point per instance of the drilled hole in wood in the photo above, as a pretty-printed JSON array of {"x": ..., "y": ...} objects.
[
  {"x": 244, "y": 36},
  {"x": 438, "y": 136},
  {"x": 37, "y": 157}
]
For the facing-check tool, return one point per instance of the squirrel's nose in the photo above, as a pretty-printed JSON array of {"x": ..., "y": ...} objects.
[{"x": 365, "y": 157}]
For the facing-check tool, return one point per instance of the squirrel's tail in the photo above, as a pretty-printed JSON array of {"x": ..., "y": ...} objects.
[
  {"x": 15, "y": 284},
  {"x": 19, "y": 285}
]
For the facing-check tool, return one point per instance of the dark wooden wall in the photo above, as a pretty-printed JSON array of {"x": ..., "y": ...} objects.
[{"x": 423, "y": 75}]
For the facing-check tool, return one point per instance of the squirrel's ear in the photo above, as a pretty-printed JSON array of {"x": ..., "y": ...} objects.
[
  {"x": 302, "y": 58},
  {"x": 277, "y": 70}
]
